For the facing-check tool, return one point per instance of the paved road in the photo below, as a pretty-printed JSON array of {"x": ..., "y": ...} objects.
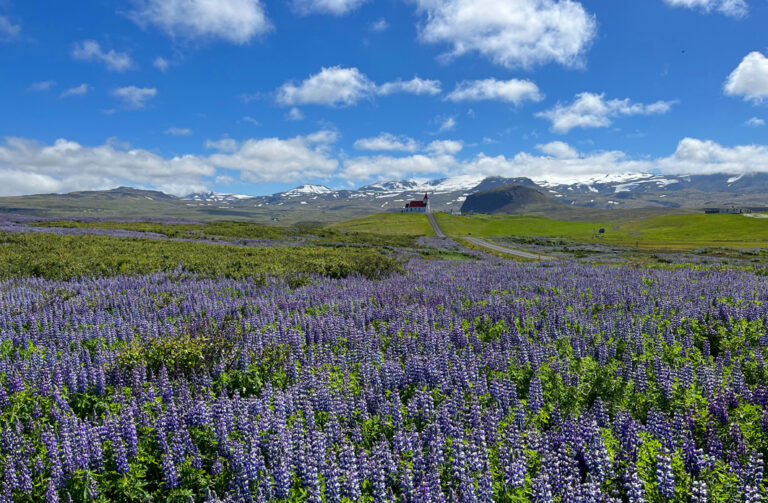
[
  {"x": 439, "y": 233},
  {"x": 485, "y": 244},
  {"x": 510, "y": 251}
]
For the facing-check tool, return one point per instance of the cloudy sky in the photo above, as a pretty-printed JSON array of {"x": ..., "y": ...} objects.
[{"x": 256, "y": 96}]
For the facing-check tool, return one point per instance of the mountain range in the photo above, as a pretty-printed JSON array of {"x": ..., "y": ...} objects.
[{"x": 318, "y": 203}]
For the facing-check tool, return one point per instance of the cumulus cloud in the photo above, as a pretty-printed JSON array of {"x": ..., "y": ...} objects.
[
  {"x": 161, "y": 64},
  {"x": 513, "y": 91},
  {"x": 8, "y": 30},
  {"x": 733, "y": 8},
  {"x": 413, "y": 86},
  {"x": 178, "y": 131},
  {"x": 334, "y": 86},
  {"x": 561, "y": 163},
  {"x": 27, "y": 167},
  {"x": 80, "y": 90},
  {"x": 135, "y": 97},
  {"x": 46, "y": 85},
  {"x": 511, "y": 33},
  {"x": 387, "y": 142},
  {"x": 361, "y": 168},
  {"x": 591, "y": 110},
  {"x": 379, "y": 25},
  {"x": 222, "y": 145},
  {"x": 558, "y": 149},
  {"x": 236, "y": 21},
  {"x": 754, "y": 122},
  {"x": 332, "y": 7},
  {"x": 275, "y": 159},
  {"x": 90, "y": 50},
  {"x": 294, "y": 114},
  {"x": 750, "y": 78},
  {"x": 444, "y": 147},
  {"x": 446, "y": 124},
  {"x": 337, "y": 86}
]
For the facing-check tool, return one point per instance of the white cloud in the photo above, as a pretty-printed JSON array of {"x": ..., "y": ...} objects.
[
  {"x": 340, "y": 87},
  {"x": 8, "y": 30},
  {"x": 414, "y": 86},
  {"x": 135, "y": 97},
  {"x": 445, "y": 147},
  {"x": 46, "y": 85},
  {"x": 334, "y": 86},
  {"x": 222, "y": 145},
  {"x": 294, "y": 114},
  {"x": 90, "y": 50},
  {"x": 178, "y": 131},
  {"x": 447, "y": 124},
  {"x": 27, "y": 167},
  {"x": 361, "y": 168},
  {"x": 705, "y": 157},
  {"x": 561, "y": 163},
  {"x": 274, "y": 159},
  {"x": 511, "y": 33},
  {"x": 379, "y": 25},
  {"x": 387, "y": 142},
  {"x": 558, "y": 149},
  {"x": 591, "y": 110},
  {"x": 236, "y": 21},
  {"x": 755, "y": 122},
  {"x": 251, "y": 120},
  {"x": 224, "y": 179},
  {"x": 733, "y": 8},
  {"x": 161, "y": 64},
  {"x": 514, "y": 91},
  {"x": 750, "y": 78},
  {"x": 333, "y": 7},
  {"x": 564, "y": 165},
  {"x": 80, "y": 90}
]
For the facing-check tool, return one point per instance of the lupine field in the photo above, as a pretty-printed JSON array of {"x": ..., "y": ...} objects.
[{"x": 448, "y": 381}]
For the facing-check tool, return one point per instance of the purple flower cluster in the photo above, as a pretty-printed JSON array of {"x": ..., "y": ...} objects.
[{"x": 467, "y": 382}]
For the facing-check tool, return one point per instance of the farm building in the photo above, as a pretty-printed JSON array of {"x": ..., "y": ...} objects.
[
  {"x": 732, "y": 210},
  {"x": 418, "y": 206}
]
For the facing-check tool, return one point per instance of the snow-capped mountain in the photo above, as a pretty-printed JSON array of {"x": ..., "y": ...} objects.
[{"x": 627, "y": 190}]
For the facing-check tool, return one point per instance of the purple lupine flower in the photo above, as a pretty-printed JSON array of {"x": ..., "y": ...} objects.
[
  {"x": 535, "y": 395},
  {"x": 665, "y": 479},
  {"x": 51, "y": 495},
  {"x": 170, "y": 474},
  {"x": 699, "y": 492},
  {"x": 118, "y": 451},
  {"x": 634, "y": 486}
]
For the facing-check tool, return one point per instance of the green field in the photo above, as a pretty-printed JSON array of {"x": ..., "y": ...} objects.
[
  {"x": 407, "y": 224},
  {"x": 670, "y": 232},
  {"x": 52, "y": 256}
]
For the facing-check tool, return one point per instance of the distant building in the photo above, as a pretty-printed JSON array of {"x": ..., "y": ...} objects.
[
  {"x": 418, "y": 206},
  {"x": 732, "y": 210}
]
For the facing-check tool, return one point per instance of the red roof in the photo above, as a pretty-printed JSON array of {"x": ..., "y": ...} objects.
[{"x": 416, "y": 204}]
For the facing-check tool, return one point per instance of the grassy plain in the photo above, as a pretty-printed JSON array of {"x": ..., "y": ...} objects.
[
  {"x": 668, "y": 232},
  {"x": 409, "y": 224},
  {"x": 683, "y": 232},
  {"x": 52, "y": 256}
]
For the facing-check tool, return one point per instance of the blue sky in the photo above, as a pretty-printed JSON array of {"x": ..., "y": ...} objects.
[{"x": 255, "y": 96}]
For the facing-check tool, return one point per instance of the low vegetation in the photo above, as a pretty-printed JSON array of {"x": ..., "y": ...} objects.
[
  {"x": 683, "y": 232},
  {"x": 407, "y": 224},
  {"x": 54, "y": 256}
]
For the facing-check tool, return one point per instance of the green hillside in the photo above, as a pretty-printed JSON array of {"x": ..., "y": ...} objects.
[{"x": 409, "y": 224}]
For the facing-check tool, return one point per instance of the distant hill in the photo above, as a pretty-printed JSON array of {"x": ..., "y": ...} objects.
[
  {"x": 511, "y": 199},
  {"x": 600, "y": 197}
]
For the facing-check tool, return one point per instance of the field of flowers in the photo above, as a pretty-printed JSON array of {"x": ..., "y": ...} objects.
[{"x": 465, "y": 381}]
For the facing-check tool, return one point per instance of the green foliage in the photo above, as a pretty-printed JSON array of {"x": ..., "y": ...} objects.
[{"x": 53, "y": 256}]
